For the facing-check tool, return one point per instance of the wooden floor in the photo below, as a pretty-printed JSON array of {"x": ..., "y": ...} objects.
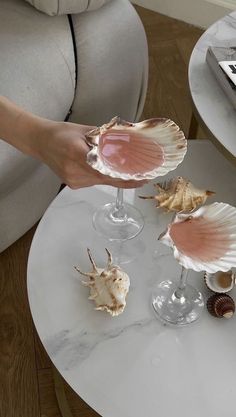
[{"x": 26, "y": 387}]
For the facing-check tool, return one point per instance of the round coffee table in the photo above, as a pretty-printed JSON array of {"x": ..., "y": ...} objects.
[
  {"x": 131, "y": 365},
  {"x": 211, "y": 106}
]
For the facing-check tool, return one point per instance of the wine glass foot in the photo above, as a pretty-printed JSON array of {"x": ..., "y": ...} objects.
[
  {"x": 118, "y": 227},
  {"x": 177, "y": 310},
  {"x": 125, "y": 252}
]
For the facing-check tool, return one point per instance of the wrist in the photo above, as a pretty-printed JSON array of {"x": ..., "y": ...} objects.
[
  {"x": 32, "y": 132},
  {"x": 20, "y": 128}
]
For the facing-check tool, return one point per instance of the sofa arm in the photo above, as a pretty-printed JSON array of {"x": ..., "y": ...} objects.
[{"x": 59, "y": 7}]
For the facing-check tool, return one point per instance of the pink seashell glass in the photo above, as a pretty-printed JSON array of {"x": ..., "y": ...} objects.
[
  {"x": 204, "y": 240},
  {"x": 132, "y": 151}
]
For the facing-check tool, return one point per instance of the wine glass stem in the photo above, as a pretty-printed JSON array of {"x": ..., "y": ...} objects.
[
  {"x": 179, "y": 293},
  {"x": 119, "y": 211}
]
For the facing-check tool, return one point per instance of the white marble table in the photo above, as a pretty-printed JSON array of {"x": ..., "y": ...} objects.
[
  {"x": 210, "y": 101},
  {"x": 131, "y": 365}
]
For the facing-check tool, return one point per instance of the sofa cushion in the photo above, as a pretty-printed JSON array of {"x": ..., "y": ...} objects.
[
  {"x": 37, "y": 73},
  {"x": 112, "y": 64},
  {"x": 58, "y": 7},
  {"x": 15, "y": 167},
  {"x": 37, "y": 59}
]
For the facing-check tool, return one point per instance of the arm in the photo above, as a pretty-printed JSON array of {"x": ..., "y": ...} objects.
[
  {"x": 18, "y": 127},
  {"x": 60, "y": 145}
]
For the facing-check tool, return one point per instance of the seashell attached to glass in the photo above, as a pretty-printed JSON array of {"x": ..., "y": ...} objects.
[
  {"x": 204, "y": 240},
  {"x": 132, "y": 151},
  {"x": 136, "y": 151}
]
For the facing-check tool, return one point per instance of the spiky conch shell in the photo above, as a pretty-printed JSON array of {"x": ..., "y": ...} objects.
[
  {"x": 220, "y": 218},
  {"x": 161, "y": 131},
  {"x": 109, "y": 286},
  {"x": 179, "y": 194}
]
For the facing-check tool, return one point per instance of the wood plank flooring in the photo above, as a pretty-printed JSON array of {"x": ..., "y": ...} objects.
[
  {"x": 26, "y": 386},
  {"x": 170, "y": 45}
]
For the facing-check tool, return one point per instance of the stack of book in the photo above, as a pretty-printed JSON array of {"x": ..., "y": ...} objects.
[{"x": 222, "y": 62}]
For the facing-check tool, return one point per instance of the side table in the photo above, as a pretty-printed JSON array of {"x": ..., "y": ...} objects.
[
  {"x": 210, "y": 104},
  {"x": 131, "y": 365}
]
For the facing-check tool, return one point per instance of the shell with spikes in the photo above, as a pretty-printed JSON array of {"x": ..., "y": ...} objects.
[
  {"x": 109, "y": 286},
  {"x": 178, "y": 195}
]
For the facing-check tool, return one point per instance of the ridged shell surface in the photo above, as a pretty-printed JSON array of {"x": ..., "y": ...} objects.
[
  {"x": 179, "y": 194},
  {"x": 204, "y": 240},
  {"x": 109, "y": 286},
  {"x": 220, "y": 282},
  {"x": 139, "y": 151},
  {"x": 221, "y": 306}
]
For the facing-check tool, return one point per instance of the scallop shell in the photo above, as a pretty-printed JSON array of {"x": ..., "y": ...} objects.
[
  {"x": 220, "y": 282},
  {"x": 221, "y": 306},
  {"x": 204, "y": 240},
  {"x": 137, "y": 151},
  {"x": 108, "y": 287},
  {"x": 179, "y": 194}
]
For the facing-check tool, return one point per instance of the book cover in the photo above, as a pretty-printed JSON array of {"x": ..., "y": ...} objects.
[{"x": 222, "y": 62}]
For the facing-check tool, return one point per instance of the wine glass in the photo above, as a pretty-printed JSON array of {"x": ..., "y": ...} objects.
[
  {"x": 204, "y": 240},
  {"x": 125, "y": 252},
  {"x": 177, "y": 303},
  {"x": 118, "y": 220},
  {"x": 132, "y": 151}
]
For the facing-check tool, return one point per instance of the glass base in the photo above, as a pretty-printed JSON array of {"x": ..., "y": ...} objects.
[
  {"x": 125, "y": 252},
  {"x": 114, "y": 225},
  {"x": 173, "y": 310}
]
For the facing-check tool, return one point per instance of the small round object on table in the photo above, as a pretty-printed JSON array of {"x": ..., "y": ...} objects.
[{"x": 221, "y": 305}]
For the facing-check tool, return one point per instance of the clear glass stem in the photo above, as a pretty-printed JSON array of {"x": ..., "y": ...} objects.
[
  {"x": 119, "y": 199},
  {"x": 119, "y": 210},
  {"x": 118, "y": 220},
  {"x": 180, "y": 291}
]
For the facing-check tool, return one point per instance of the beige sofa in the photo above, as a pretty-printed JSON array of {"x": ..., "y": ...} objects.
[{"x": 79, "y": 60}]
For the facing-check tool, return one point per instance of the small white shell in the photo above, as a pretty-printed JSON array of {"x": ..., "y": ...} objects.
[
  {"x": 220, "y": 282},
  {"x": 204, "y": 240},
  {"x": 179, "y": 194},
  {"x": 108, "y": 287},
  {"x": 135, "y": 157}
]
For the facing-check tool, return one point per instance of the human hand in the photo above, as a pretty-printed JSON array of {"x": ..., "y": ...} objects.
[{"x": 62, "y": 146}]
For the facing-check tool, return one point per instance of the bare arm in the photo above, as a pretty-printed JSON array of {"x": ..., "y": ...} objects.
[
  {"x": 17, "y": 127},
  {"x": 60, "y": 145}
]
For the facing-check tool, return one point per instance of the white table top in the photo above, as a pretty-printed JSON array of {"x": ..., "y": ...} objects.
[
  {"x": 212, "y": 104},
  {"x": 131, "y": 365}
]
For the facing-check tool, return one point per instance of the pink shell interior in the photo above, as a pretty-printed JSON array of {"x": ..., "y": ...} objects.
[
  {"x": 129, "y": 152},
  {"x": 200, "y": 239}
]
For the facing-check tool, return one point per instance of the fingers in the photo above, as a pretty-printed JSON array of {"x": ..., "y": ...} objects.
[
  {"x": 129, "y": 184},
  {"x": 123, "y": 184},
  {"x": 115, "y": 182},
  {"x": 84, "y": 180},
  {"x": 85, "y": 128}
]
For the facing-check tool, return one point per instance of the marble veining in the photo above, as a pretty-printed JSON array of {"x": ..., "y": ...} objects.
[
  {"x": 131, "y": 364},
  {"x": 72, "y": 348}
]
